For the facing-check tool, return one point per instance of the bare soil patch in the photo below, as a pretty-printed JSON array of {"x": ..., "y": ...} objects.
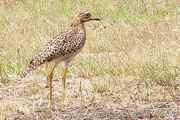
[{"x": 27, "y": 100}]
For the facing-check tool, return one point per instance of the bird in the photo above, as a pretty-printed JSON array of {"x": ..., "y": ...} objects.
[{"x": 61, "y": 49}]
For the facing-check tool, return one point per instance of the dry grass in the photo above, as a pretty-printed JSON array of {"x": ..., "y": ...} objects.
[{"x": 135, "y": 39}]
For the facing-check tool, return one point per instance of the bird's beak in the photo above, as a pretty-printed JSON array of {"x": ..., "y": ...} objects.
[{"x": 97, "y": 19}]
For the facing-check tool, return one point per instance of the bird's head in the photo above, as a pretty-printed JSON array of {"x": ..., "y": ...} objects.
[{"x": 85, "y": 16}]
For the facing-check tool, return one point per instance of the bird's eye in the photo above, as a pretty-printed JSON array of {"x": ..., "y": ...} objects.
[{"x": 87, "y": 15}]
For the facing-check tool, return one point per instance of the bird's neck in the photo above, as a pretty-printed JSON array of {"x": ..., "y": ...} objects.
[{"x": 79, "y": 25}]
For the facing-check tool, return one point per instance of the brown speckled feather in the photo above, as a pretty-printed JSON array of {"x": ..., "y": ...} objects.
[{"x": 64, "y": 45}]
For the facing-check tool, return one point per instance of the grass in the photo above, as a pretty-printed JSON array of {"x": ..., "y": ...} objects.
[
  {"x": 138, "y": 39},
  {"x": 142, "y": 35}
]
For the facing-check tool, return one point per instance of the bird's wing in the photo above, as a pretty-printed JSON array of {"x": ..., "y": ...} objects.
[{"x": 61, "y": 45}]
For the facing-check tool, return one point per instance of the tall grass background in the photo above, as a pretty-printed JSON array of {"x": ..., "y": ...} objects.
[{"x": 137, "y": 38}]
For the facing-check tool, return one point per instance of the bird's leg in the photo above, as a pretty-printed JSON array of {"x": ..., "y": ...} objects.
[
  {"x": 46, "y": 68},
  {"x": 50, "y": 76},
  {"x": 63, "y": 87},
  {"x": 80, "y": 88}
]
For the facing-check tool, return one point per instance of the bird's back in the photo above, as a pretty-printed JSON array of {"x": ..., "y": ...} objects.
[{"x": 61, "y": 47}]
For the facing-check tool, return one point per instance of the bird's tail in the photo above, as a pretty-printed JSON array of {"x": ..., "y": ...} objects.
[{"x": 33, "y": 65}]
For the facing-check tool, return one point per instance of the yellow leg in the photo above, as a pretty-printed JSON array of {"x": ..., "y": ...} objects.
[
  {"x": 46, "y": 68},
  {"x": 50, "y": 76},
  {"x": 63, "y": 87}
]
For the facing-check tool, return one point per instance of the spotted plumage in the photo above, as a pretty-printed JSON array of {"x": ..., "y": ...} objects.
[{"x": 64, "y": 46}]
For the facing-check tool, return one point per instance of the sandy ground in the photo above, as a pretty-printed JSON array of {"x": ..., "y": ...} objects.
[{"x": 27, "y": 100}]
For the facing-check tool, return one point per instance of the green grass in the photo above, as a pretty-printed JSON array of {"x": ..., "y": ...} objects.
[
  {"x": 131, "y": 57},
  {"x": 139, "y": 38}
]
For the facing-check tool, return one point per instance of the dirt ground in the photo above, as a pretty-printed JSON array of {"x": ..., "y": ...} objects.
[{"x": 27, "y": 100}]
